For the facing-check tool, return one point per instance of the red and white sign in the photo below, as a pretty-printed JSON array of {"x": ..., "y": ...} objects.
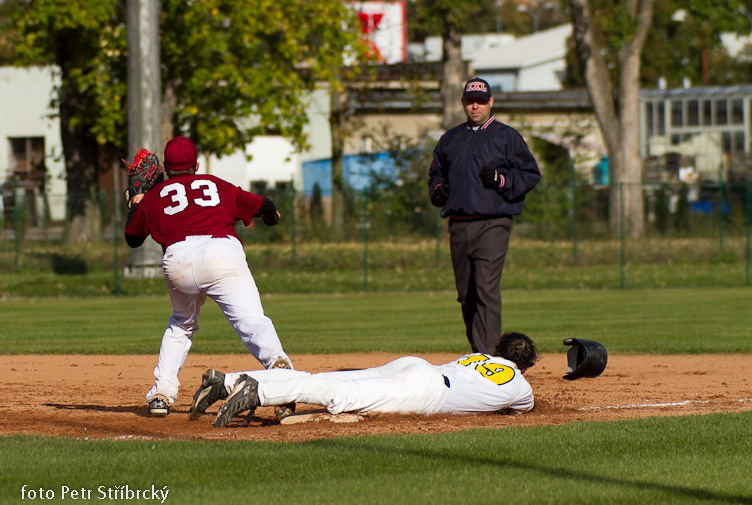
[{"x": 384, "y": 28}]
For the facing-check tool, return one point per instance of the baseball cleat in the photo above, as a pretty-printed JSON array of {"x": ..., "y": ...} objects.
[
  {"x": 158, "y": 407},
  {"x": 283, "y": 411},
  {"x": 212, "y": 389},
  {"x": 243, "y": 397}
]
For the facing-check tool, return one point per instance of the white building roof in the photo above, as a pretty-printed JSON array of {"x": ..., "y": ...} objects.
[{"x": 528, "y": 51}]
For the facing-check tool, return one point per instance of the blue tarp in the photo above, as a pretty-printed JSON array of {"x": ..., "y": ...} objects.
[
  {"x": 707, "y": 207},
  {"x": 355, "y": 170},
  {"x": 600, "y": 172}
]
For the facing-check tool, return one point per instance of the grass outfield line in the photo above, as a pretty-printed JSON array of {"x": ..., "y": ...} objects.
[
  {"x": 694, "y": 459},
  {"x": 634, "y": 321}
]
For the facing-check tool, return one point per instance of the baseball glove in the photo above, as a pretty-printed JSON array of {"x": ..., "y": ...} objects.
[{"x": 143, "y": 174}]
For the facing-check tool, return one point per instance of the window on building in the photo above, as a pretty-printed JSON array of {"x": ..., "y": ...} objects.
[
  {"x": 737, "y": 111},
  {"x": 27, "y": 160},
  {"x": 707, "y": 112},
  {"x": 721, "y": 112},
  {"x": 726, "y": 141},
  {"x": 26, "y": 167},
  {"x": 693, "y": 113},
  {"x": 739, "y": 142},
  {"x": 676, "y": 113},
  {"x": 258, "y": 187},
  {"x": 661, "y": 118},
  {"x": 366, "y": 144},
  {"x": 649, "y": 118}
]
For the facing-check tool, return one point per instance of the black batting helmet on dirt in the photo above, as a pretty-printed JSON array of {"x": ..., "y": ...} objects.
[{"x": 586, "y": 358}]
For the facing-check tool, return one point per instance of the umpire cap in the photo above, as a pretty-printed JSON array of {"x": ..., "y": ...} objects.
[
  {"x": 477, "y": 88},
  {"x": 586, "y": 358}
]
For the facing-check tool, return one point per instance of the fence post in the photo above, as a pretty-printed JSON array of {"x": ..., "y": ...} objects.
[
  {"x": 748, "y": 206},
  {"x": 720, "y": 209},
  {"x": 574, "y": 216},
  {"x": 365, "y": 239},
  {"x": 622, "y": 239},
  {"x": 16, "y": 225},
  {"x": 115, "y": 233},
  {"x": 437, "y": 233},
  {"x": 292, "y": 221}
]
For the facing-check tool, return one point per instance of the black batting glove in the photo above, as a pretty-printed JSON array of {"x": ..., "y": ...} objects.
[
  {"x": 491, "y": 178},
  {"x": 440, "y": 194},
  {"x": 268, "y": 212}
]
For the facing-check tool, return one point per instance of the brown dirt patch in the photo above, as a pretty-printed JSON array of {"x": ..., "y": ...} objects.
[{"x": 103, "y": 396}]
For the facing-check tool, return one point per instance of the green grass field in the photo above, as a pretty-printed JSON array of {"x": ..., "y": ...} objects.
[
  {"x": 659, "y": 321},
  {"x": 661, "y": 461},
  {"x": 693, "y": 459}
]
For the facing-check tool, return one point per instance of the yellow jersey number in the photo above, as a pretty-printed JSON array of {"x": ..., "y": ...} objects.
[{"x": 496, "y": 373}]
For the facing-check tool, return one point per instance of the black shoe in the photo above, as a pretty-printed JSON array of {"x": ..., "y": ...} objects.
[
  {"x": 212, "y": 389},
  {"x": 158, "y": 407},
  {"x": 243, "y": 397}
]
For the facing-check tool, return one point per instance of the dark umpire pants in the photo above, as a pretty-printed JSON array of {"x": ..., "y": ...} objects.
[{"x": 478, "y": 250}]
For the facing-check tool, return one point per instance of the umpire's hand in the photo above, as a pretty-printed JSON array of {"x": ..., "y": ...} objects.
[
  {"x": 440, "y": 194},
  {"x": 491, "y": 178}
]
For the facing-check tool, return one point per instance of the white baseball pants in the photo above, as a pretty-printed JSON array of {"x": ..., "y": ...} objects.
[
  {"x": 405, "y": 385},
  {"x": 201, "y": 267}
]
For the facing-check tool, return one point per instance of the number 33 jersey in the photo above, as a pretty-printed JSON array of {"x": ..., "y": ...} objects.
[
  {"x": 190, "y": 205},
  {"x": 485, "y": 383}
]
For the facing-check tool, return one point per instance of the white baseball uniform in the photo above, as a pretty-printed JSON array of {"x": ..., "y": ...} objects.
[
  {"x": 193, "y": 218},
  {"x": 472, "y": 383}
]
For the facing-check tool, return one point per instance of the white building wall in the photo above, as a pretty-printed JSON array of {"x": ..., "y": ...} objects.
[
  {"x": 24, "y": 108},
  {"x": 541, "y": 77},
  {"x": 274, "y": 158},
  {"x": 24, "y": 112}
]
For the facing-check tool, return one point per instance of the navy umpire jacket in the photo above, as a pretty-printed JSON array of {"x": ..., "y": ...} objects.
[{"x": 462, "y": 153}]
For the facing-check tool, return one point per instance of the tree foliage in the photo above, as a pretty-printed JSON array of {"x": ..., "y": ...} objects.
[
  {"x": 681, "y": 32},
  {"x": 481, "y": 16},
  {"x": 230, "y": 71},
  {"x": 397, "y": 190},
  {"x": 87, "y": 42},
  {"x": 230, "y": 61},
  {"x": 226, "y": 62},
  {"x": 612, "y": 63}
]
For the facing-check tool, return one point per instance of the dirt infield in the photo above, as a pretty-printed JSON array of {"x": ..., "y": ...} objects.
[{"x": 103, "y": 396}]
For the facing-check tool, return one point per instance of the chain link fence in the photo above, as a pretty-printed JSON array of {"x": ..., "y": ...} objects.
[{"x": 393, "y": 239}]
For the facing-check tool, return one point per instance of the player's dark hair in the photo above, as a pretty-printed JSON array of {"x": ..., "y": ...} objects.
[{"x": 518, "y": 348}]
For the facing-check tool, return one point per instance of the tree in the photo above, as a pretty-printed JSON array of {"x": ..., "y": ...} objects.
[
  {"x": 685, "y": 42},
  {"x": 230, "y": 71},
  {"x": 683, "y": 34},
  {"x": 609, "y": 39},
  {"x": 625, "y": 31},
  {"x": 397, "y": 185},
  {"x": 338, "y": 113},
  {"x": 489, "y": 16},
  {"x": 86, "y": 41},
  {"x": 447, "y": 18},
  {"x": 8, "y": 32}
]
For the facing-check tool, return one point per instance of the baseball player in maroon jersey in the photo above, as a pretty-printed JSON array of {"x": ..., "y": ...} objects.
[
  {"x": 473, "y": 383},
  {"x": 193, "y": 218}
]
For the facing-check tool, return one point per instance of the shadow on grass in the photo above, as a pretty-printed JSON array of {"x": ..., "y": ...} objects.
[{"x": 558, "y": 473}]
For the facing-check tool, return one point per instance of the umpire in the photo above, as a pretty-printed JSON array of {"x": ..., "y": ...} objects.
[{"x": 481, "y": 172}]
